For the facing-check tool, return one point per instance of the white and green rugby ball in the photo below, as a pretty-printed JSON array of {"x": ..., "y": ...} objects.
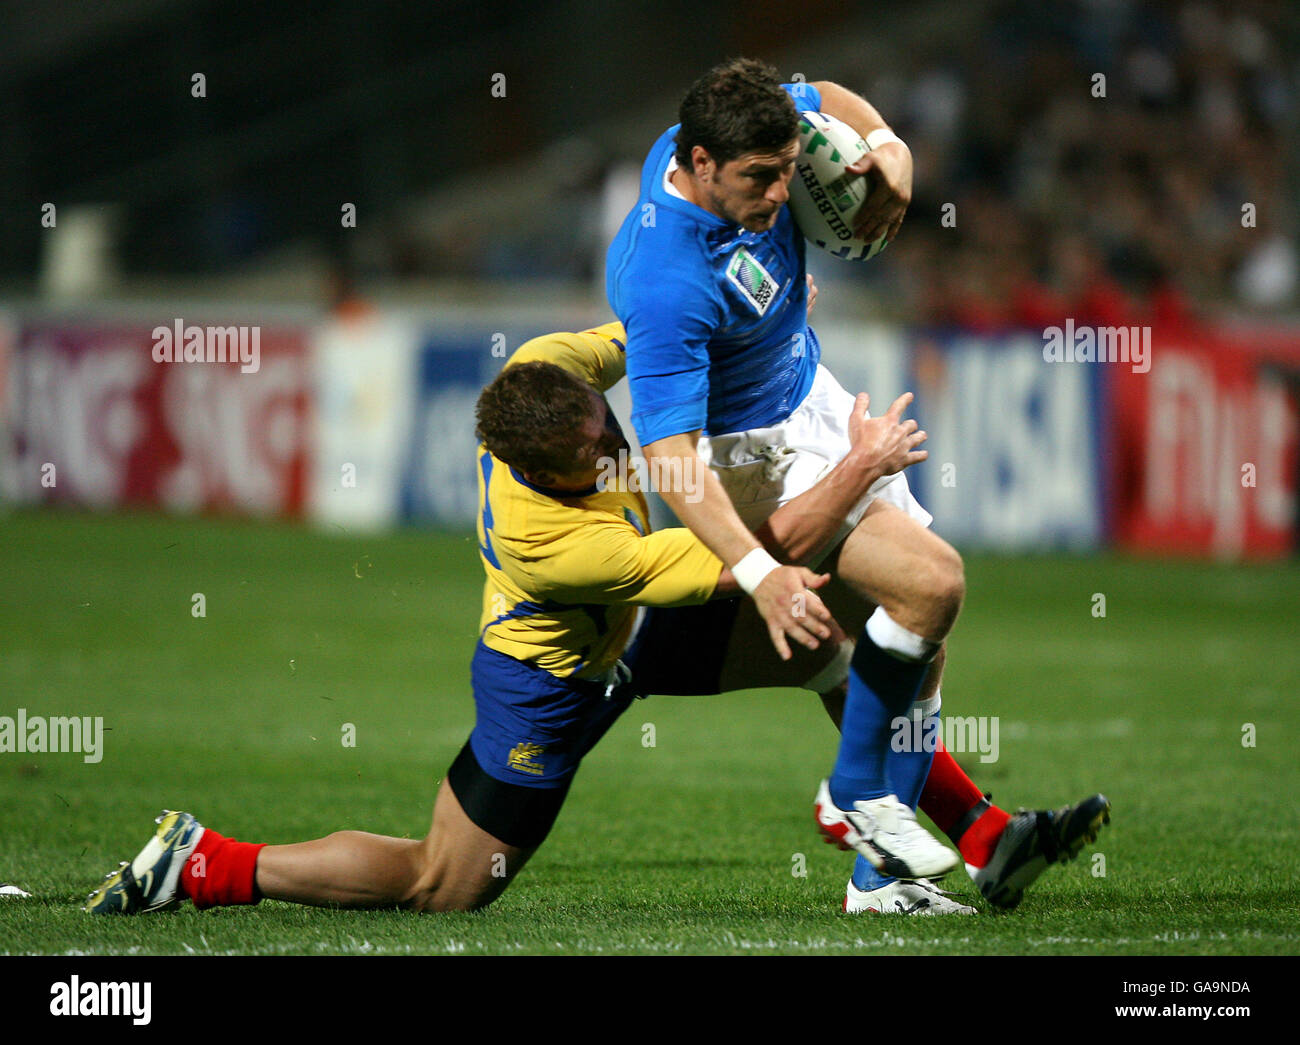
[{"x": 823, "y": 198}]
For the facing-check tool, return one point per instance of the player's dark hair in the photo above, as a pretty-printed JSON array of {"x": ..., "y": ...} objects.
[
  {"x": 735, "y": 108},
  {"x": 531, "y": 417}
]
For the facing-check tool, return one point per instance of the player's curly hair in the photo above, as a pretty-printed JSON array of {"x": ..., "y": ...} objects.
[
  {"x": 735, "y": 108},
  {"x": 531, "y": 417}
]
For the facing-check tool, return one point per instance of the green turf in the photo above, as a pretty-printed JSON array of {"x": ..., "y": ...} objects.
[{"x": 684, "y": 847}]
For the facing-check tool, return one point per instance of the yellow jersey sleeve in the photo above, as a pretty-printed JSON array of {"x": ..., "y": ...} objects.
[
  {"x": 597, "y": 356},
  {"x": 605, "y": 560}
]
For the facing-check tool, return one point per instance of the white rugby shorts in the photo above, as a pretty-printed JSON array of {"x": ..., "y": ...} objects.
[{"x": 763, "y": 468}]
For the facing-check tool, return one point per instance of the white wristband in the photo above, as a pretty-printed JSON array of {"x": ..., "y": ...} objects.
[
  {"x": 751, "y": 570},
  {"x": 883, "y": 136}
]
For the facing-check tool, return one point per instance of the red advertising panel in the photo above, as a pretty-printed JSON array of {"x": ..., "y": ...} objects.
[
  {"x": 1204, "y": 447},
  {"x": 184, "y": 416}
]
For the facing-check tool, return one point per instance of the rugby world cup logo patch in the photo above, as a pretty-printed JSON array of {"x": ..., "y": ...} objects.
[{"x": 752, "y": 280}]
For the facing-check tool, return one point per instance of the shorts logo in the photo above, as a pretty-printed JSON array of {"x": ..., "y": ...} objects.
[
  {"x": 752, "y": 280},
  {"x": 525, "y": 758}
]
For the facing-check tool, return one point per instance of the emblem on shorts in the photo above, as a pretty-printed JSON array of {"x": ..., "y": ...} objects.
[
  {"x": 526, "y": 758},
  {"x": 752, "y": 280}
]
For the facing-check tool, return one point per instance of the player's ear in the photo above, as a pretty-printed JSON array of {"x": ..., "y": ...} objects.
[{"x": 702, "y": 162}]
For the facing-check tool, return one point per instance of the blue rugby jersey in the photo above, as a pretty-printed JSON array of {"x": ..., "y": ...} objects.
[{"x": 716, "y": 317}]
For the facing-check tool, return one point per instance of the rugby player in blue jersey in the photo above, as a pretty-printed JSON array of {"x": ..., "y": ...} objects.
[
  {"x": 707, "y": 275},
  {"x": 569, "y": 558}
]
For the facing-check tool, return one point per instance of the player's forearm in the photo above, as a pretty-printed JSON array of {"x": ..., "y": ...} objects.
[
  {"x": 713, "y": 519},
  {"x": 800, "y": 528},
  {"x": 701, "y": 504},
  {"x": 849, "y": 107},
  {"x": 709, "y": 514}
]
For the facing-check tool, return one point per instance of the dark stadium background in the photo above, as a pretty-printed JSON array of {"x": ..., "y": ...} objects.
[
  {"x": 1114, "y": 163},
  {"x": 389, "y": 101}
]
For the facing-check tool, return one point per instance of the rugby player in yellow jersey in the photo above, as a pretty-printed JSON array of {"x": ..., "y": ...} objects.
[{"x": 569, "y": 560}]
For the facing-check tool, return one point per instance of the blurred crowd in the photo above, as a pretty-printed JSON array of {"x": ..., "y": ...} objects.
[{"x": 1100, "y": 159}]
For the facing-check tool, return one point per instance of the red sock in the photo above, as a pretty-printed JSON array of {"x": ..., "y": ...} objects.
[
  {"x": 960, "y": 810},
  {"x": 221, "y": 872}
]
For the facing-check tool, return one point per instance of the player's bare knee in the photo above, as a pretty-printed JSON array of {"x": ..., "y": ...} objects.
[
  {"x": 463, "y": 880},
  {"x": 431, "y": 877},
  {"x": 940, "y": 589},
  {"x": 421, "y": 901},
  {"x": 424, "y": 887},
  {"x": 949, "y": 586},
  {"x": 447, "y": 901},
  {"x": 446, "y": 892}
]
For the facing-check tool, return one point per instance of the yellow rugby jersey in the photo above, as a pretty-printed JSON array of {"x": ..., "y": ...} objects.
[{"x": 565, "y": 572}]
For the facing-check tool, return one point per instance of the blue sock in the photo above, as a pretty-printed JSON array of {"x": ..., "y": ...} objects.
[
  {"x": 866, "y": 877},
  {"x": 881, "y": 688},
  {"x": 908, "y": 770}
]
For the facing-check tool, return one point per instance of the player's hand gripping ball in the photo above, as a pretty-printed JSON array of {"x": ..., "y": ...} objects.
[{"x": 824, "y": 197}]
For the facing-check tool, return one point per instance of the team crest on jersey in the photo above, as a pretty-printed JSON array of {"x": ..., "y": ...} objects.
[
  {"x": 526, "y": 758},
  {"x": 752, "y": 280}
]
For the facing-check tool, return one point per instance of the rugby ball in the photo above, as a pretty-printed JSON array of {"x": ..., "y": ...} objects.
[{"x": 823, "y": 198}]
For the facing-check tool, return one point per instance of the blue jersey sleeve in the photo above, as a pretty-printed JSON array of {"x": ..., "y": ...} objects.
[
  {"x": 670, "y": 325},
  {"x": 806, "y": 97}
]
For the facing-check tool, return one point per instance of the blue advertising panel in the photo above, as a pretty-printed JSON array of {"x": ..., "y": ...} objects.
[
  {"x": 1014, "y": 442},
  {"x": 451, "y": 368}
]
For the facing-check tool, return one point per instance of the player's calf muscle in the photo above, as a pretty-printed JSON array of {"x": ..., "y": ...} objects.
[
  {"x": 457, "y": 867},
  {"x": 345, "y": 869}
]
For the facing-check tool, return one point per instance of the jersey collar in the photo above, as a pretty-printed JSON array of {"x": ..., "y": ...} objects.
[{"x": 559, "y": 495}]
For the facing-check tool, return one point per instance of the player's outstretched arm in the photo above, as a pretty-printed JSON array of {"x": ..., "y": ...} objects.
[
  {"x": 882, "y": 212},
  {"x": 781, "y": 593},
  {"x": 880, "y": 446}
]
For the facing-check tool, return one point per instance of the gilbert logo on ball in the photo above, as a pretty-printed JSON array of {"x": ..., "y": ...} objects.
[{"x": 824, "y": 198}]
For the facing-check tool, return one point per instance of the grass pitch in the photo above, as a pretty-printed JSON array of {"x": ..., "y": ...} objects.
[{"x": 1179, "y": 703}]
